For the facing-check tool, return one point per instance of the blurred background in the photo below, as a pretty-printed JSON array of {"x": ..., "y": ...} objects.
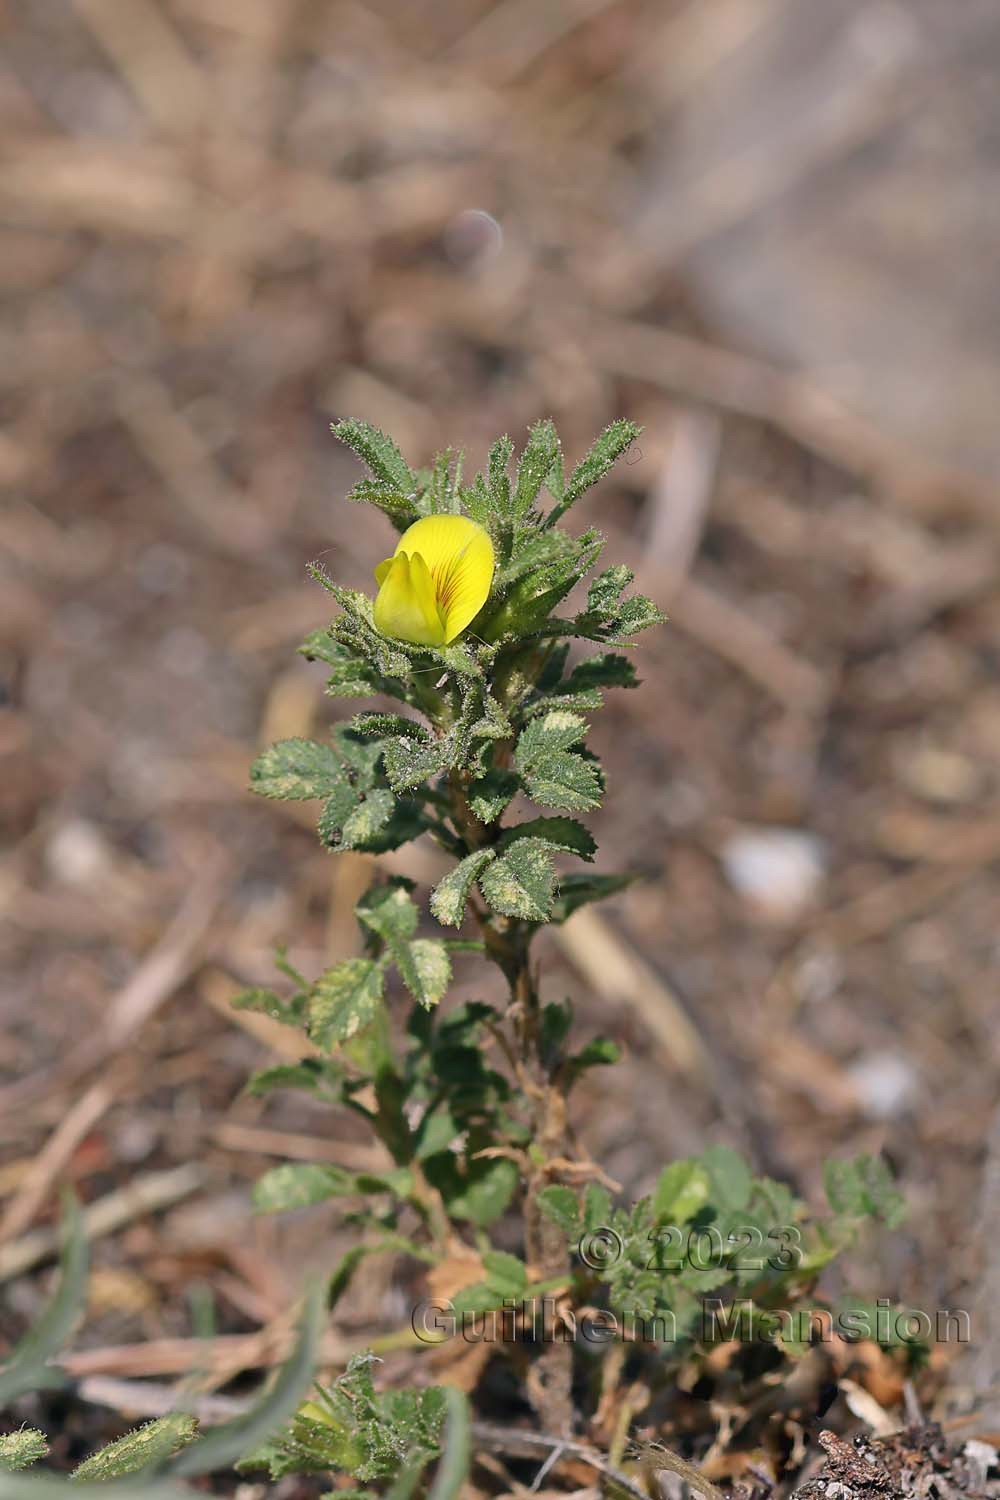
[{"x": 768, "y": 232}]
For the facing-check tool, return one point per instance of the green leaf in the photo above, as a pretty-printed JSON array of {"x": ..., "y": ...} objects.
[
  {"x": 505, "y": 1273},
  {"x": 615, "y": 440},
  {"x": 146, "y": 1447},
  {"x": 566, "y": 781},
  {"x": 559, "y": 1203},
  {"x": 864, "y": 1188},
  {"x": 268, "y": 1003},
  {"x": 682, "y": 1188},
  {"x": 439, "y": 486},
  {"x": 553, "y": 776},
  {"x": 557, "y": 1018},
  {"x": 397, "y": 504},
  {"x": 636, "y": 613},
  {"x": 490, "y": 794},
  {"x": 487, "y": 1192},
  {"x": 565, "y": 834},
  {"x": 389, "y": 910},
  {"x": 296, "y": 770},
  {"x": 596, "y": 1207},
  {"x": 603, "y": 670},
  {"x": 493, "y": 723},
  {"x": 602, "y": 596},
  {"x": 599, "y": 1052},
  {"x": 408, "y": 761},
  {"x": 314, "y": 1075},
  {"x": 540, "y": 453},
  {"x": 428, "y": 974},
  {"x": 579, "y": 890},
  {"x": 18, "y": 1450},
  {"x": 378, "y": 452},
  {"x": 300, "y": 1185},
  {"x": 28, "y": 1369},
  {"x": 343, "y": 1001},
  {"x": 544, "y": 737},
  {"x": 520, "y": 882},
  {"x": 337, "y": 810},
  {"x": 498, "y": 480},
  {"x": 368, "y": 819},
  {"x": 535, "y": 550},
  {"x": 423, "y": 963},
  {"x": 379, "y": 726},
  {"x": 731, "y": 1179},
  {"x": 449, "y": 896}
]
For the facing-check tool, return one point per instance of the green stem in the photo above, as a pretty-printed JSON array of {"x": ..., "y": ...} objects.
[{"x": 508, "y": 943}]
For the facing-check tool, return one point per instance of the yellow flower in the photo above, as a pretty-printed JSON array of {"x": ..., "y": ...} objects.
[{"x": 436, "y": 581}]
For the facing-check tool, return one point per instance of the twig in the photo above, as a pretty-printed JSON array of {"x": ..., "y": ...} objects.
[
  {"x": 54, "y": 1155},
  {"x": 158, "y": 976},
  {"x": 734, "y": 635},
  {"x": 696, "y": 370},
  {"x": 515, "y": 1440},
  {"x": 141, "y": 1196},
  {"x": 682, "y": 493},
  {"x": 150, "y": 55},
  {"x": 147, "y": 1398},
  {"x": 617, "y": 973}
]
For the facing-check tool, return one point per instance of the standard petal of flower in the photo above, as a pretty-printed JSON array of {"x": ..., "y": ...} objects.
[
  {"x": 459, "y": 554},
  {"x": 406, "y": 607}
]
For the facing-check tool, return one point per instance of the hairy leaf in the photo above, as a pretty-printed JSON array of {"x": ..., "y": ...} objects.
[
  {"x": 565, "y": 834},
  {"x": 147, "y": 1447},
  {"x": 540, "y": 453},
  {"x": 579, "y": 890},
  {"x": 615, "y": 440},
  {"x": 343, "y": 1001},
  {"x": 449, "y": 896},
  {"x": 296, "y": 770},
  {"x": 300, "y": 1185},
  {"x": 520, "y": 882},
  {"x": 378, "y": 452},
  {"x": 18, "y": 1450},
  {"x": 565, "y": 780}
]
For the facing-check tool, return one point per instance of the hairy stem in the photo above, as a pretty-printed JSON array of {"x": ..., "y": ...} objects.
[{"x": 508, "y": 942}]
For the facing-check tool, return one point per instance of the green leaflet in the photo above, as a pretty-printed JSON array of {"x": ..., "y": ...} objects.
[
  {"x": 296, "y": 770},
  {"x": 540, "y": 453},
  {"x": 579, "y": 890},
  {"x": 19, "y": 1450},
  {"x": 450, "y": 895},
  {"x": 343, "y": 1001},
  {"x": 615, "y": 440},
  {"x": 147, "y": 1447},
  {"x": 567, "y": 781},
  {"x": 520, "y": 882},
  {"x": 378, "y": 452},
  {"x": 300, "y": 1185},
  {"x": 863, "y": 1188},
  {"x": 564, "y": 834}
]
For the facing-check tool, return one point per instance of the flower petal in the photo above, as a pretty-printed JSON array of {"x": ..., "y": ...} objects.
[
  {"x": 459, "y": 554},
  {"x": 406, "y": 607}
]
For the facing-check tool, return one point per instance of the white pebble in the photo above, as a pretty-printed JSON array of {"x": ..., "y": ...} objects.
[{"x": 780, "y": 870}]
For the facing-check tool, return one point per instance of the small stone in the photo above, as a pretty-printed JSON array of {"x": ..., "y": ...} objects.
[
  {"x": 779, "y": 870},
  {"x": 937, "y": 774},
  {"x": 885, "y": 1083},
  {"x": 77, "y": 853}
]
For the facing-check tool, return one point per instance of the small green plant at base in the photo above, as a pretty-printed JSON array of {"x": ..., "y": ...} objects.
[{"x": 472, "y": 635}]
